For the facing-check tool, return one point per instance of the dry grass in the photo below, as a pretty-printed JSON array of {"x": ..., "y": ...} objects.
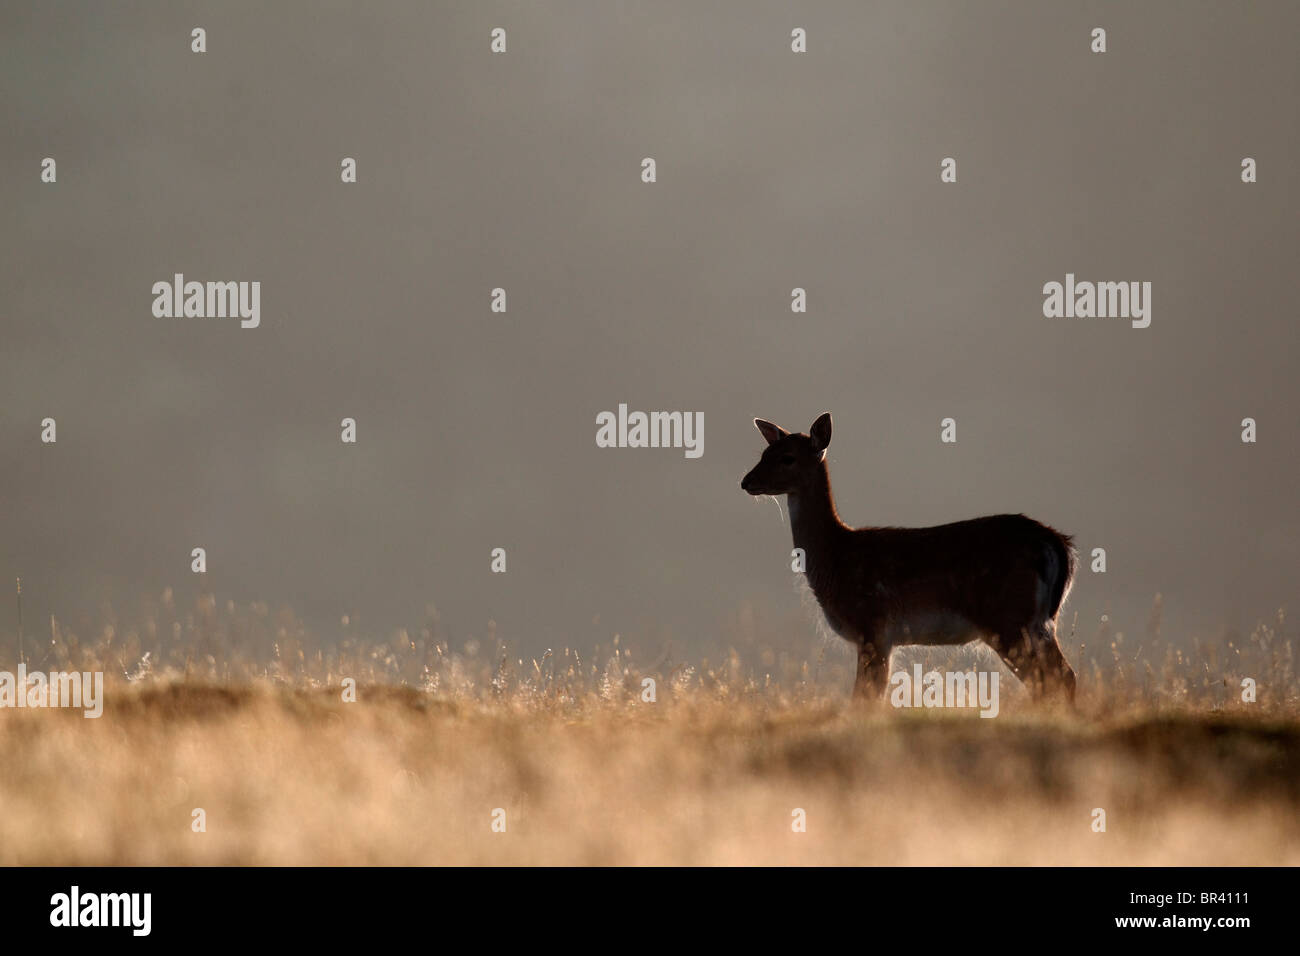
[{"x": 288, "y": 773}]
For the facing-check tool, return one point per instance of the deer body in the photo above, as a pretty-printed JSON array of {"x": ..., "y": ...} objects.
[{"x": 1000, "y": 578}]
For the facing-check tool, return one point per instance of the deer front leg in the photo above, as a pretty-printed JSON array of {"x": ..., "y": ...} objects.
[{"x": 873, "y": 672}]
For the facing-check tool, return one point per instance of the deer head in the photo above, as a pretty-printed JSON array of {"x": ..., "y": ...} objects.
[{"x": 792, "y": 462}]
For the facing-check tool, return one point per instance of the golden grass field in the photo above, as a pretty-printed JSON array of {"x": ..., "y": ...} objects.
[{"x": 587, "y": 773}]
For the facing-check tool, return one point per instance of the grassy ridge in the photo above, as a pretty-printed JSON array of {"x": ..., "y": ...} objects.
[
  {"x": 239, "y": 711},
  {"x": 294, "y": 775}
]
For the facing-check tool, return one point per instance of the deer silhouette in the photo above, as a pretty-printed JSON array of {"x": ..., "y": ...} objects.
[{"x": 1000, "y": 578}]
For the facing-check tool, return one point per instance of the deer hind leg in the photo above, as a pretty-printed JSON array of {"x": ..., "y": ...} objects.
[
  {"x": 1035, "y": 657},
  {"x": 1055, "y": 673},
  {"x": 873, "y": 673}
]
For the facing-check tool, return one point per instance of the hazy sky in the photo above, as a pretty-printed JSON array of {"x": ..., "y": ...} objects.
[{"x": 522, "y": 170}]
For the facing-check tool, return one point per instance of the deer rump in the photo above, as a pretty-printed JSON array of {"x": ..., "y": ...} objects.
[{"x": 986, "y": 577}]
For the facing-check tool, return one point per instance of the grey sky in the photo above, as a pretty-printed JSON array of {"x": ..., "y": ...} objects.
[{"x": 522, "y": 170}]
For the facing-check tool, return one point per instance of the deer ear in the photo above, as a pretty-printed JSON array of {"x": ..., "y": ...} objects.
[
  {"x": 821, "y": 431},
  {"x": 773, "y": 433}
]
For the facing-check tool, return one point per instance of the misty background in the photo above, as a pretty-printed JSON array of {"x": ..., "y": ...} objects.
[{"x": 776, "y": 170}]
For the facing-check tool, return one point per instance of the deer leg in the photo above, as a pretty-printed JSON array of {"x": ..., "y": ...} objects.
[
  {"x": 1035, "y": 658},
  {"x": 1050, "y": 669},
  {"x": 873, "y": 672},
  {"x": 1011, "y": 645}
]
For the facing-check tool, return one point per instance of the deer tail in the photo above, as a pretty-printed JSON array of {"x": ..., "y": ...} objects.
[{"x": 1063, "y": 544}]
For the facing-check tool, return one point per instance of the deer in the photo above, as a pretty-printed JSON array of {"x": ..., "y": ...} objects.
[{"x": 999, "y": 578}]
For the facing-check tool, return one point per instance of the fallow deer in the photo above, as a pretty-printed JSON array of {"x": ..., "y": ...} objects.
[{"x": 1000, "y": 578}]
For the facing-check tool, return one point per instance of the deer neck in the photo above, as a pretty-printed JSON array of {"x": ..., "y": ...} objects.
[{"x": 814, "y": 523}]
